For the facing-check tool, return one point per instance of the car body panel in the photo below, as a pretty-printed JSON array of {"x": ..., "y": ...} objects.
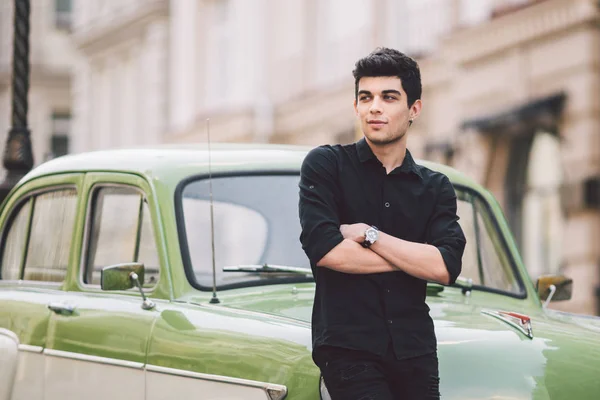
[{"x": 267, "y": 349}]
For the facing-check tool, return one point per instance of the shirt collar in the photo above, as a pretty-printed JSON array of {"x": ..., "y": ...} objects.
[
  {"x": 408, "y": 165},
  {"x": 364, "y": 151}
]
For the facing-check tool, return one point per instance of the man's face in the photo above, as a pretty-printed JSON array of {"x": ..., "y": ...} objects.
[{"x": 383, "y": 110}]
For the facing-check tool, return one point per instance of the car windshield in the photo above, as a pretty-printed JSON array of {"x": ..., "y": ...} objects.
[{"x": 256, "y": 223}]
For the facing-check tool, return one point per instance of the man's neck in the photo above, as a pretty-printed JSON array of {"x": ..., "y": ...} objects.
[{"x": 390, "y": 155}]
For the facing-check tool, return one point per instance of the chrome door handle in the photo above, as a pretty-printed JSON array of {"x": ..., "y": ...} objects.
[{"x": 62, "y": 308}]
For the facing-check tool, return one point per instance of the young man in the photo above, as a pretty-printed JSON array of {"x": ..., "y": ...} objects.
[{"x": 376, "y": 227}]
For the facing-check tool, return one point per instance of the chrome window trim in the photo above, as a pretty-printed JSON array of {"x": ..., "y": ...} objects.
[
  {"x": 31, "y": 349},
  {"x": 29, "y": 283},
  {"x": 270, "y": 388},
  {"x": 95, "y": 359},
  {"x": 86, "y": 238}
]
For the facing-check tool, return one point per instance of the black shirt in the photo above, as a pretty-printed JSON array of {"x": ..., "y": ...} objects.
[{"x": 346, "y": 185}]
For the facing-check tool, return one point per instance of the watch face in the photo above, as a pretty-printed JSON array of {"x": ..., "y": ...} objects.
[{"x": 372, "y": 235}]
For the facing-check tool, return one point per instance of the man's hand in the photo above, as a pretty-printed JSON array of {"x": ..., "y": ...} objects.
[{"x": 354, "y": 232}]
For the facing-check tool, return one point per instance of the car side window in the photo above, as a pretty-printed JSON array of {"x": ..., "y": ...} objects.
[
  {"x": 15, "y": 241},
  {"x": 485, "y": 259},
  {"x": 120, "y": 231},
  {"x": 38, "y": 242}
]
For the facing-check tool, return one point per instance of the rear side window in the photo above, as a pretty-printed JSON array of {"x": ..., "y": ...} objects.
[
  {"x": 37, "y": 243},
  {"x": 120, "y": 231}
]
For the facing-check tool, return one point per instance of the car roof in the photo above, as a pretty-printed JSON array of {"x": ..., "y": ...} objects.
[{"x": 175, "y": 162}]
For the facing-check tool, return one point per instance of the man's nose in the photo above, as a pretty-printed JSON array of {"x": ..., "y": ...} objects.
[{"x": 375, "y": 106}]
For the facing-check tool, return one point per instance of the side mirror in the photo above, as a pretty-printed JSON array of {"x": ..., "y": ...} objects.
[
  {"x": 554, "y": 288},
  {"x": 118, "y": 277},
  {"x": 123, "y": 277}
]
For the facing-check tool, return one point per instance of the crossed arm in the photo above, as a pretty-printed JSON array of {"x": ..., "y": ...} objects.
[{"x": 387, "y": 254}]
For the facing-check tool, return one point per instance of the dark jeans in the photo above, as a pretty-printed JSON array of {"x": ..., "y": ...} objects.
[{"x": 357, "y": 375}]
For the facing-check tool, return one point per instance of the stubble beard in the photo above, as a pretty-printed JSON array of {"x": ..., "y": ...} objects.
[{"x": 386, "y": 140}]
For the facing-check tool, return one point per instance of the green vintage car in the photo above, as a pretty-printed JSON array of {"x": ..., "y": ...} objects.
[{"x": 108, "y": 291}]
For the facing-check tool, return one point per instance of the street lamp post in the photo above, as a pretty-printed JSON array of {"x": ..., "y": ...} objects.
[{"x": 18, "y": 156}]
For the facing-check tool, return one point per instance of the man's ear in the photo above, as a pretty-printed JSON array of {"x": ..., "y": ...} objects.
[
  {"x": 355, "y": 108},
  {"x": 415, "y": 110}
]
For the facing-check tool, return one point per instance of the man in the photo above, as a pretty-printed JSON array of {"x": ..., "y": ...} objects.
[{"x": 376, "y": 227}]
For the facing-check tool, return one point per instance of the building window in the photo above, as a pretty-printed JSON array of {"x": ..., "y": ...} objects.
[
  {"x": 59, "y": 145},
  {"x": 63, "y": 14},
  {"x": 59, "y": 141}
]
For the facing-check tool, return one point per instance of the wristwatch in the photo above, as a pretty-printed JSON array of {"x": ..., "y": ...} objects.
[{"x": 371, "y": 236}]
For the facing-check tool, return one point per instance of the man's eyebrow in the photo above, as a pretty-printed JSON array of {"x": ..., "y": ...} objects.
[{"x": 387, "y": 91}]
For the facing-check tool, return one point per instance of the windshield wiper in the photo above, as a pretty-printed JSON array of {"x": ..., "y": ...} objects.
[{"x": 267, "y": 268}]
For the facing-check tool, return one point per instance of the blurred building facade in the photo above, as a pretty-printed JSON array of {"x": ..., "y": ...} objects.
[
  {"x": 510, "y": 94},
  {"x": 52, "y": 55}
]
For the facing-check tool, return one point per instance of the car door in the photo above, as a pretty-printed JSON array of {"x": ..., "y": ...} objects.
[
  {"x": 96, "y": 348},
  {"x": 38, "y": 225}
]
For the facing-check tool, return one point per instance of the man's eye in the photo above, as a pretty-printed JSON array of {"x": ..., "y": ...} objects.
[
  {"x": 389, "y": 98},
  {"x": 364, "y": 98}
]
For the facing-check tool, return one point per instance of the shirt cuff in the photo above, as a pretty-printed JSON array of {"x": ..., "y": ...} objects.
[
  {"x": 452, "y": 265},
  {"x": 323, "y": 247}
]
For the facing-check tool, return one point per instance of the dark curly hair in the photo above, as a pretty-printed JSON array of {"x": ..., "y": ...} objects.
[{"x": 384, "y": 61}]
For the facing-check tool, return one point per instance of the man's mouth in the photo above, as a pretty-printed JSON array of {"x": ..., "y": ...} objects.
[{"x": 376, "y": 122}]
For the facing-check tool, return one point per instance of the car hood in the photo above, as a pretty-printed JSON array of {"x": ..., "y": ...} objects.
[
  {"x": 480, "y": 356},
  {"x": 449, "y": 308}
]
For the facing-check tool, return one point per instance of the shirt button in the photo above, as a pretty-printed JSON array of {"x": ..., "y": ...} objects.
[
  {"x": 389, "y": 321},
  {"x": 387, "y": 290},
  {"x": 387, "y": 204}
]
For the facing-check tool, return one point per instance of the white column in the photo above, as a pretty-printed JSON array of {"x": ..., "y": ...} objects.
[
  {"x": 82, "y": 101},
  {"x": 396, "y": 24},
  {"x": 260, "y": 87},
  {"x": 117, "y": 100},
  {"x": 156, "y": 81},
  {"x": 102, "y": 114},
  {"x": 6, "y": 33},
  {"x": 111, "y": 102},
  {"x": 183, "y": 72},
  {"x": 138, "y": 59},
  {"x": 129, "y": 100},
  {"x": 39, "y": 121},
  {"x": 201, "y": 60}
]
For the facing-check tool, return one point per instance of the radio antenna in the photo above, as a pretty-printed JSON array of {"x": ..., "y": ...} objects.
[{"x": 214, "y": 299}]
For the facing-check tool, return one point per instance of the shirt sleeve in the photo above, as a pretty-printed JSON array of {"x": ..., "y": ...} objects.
[
  {"x": 319, "y": 216},
  {"x": 444, "y": 231}
]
